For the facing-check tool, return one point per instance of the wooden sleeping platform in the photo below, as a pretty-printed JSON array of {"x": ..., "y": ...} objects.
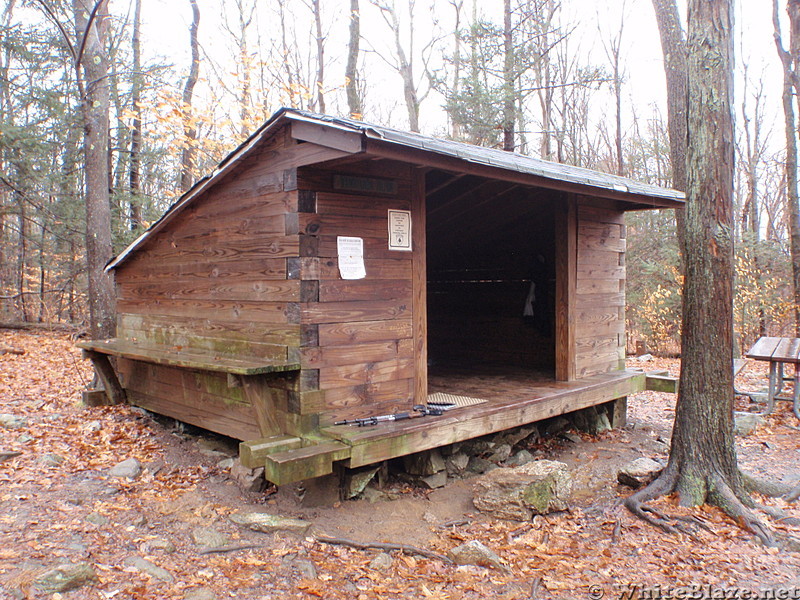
[{"x": 513, "y": 398}]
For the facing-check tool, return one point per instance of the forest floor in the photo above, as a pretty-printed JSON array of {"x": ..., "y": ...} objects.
[{"x": 59, "y": 505}]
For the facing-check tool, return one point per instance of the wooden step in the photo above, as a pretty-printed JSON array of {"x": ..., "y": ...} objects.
[
  {"x": 253, "y": 453},
  {"x": 317, "y": 460}
]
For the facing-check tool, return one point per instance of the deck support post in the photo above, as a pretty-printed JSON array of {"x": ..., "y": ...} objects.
[
  {"x": 618, "y": 412},
  {"x": 105, "y": 372}
]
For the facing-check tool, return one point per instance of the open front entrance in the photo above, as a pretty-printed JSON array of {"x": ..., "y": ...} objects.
[{"x": 491, "y": 283}]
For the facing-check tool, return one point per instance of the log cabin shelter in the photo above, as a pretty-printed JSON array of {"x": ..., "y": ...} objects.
[{"x": 329, "y": 269}]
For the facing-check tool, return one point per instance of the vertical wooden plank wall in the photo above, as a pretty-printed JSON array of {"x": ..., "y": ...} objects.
[
  {"x": 599, "y": 288},
  {"x": 358, "y": 353},
  {"x": 566, "y": 253}
]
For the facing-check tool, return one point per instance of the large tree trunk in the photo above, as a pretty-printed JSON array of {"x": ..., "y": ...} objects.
[
  {"x": 702, "y": 464},
  {"x": 351, "y": 70},
  {"x": 189, "y": 154},
  {"x": 673, "y": 46},
  {"x": 95, "y": 106},
  {"x": 790, "y": 82},
  {"x": 703, "y": 441}
]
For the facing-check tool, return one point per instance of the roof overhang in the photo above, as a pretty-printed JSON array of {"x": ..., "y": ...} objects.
[{"x": 340, "y": 138}]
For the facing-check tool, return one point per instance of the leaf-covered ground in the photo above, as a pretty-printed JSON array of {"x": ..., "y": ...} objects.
[{"x": 58, "y": 505}]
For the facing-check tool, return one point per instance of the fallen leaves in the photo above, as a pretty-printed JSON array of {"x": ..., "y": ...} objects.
[{"x": 45, "y": 509}]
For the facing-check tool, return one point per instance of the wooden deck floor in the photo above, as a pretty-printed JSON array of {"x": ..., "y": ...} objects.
[{"x": 513, "y": 398}]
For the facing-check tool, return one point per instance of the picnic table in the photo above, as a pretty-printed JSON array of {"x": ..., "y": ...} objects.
[{"x": 779, "y": 351}]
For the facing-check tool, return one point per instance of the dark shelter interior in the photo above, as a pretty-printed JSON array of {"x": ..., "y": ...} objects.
[{"x": 491, "y": 275}]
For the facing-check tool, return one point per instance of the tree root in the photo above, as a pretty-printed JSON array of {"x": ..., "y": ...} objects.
[
  {"x": 729, "y": 502},
  {"x": 405, "y": 548},
  {"x": 721, "y": 494},
  {"x": 771, "y": 489},
  {"x": 661, "y": 486}
]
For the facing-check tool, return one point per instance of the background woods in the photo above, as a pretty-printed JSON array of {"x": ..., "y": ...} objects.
[{"x": 533, "y": 76}]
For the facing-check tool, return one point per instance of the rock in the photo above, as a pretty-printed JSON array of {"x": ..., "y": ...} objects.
[
  {"x": 9, "y": 421},
  {"x": 639, "y": 472},
  {"x": 305, "y": 567},
  {"x": 65, "y": 577},
  {"x": 644, "y": 358},
  {"x": 475, "y": 553},
  {"x": 536, "y": 488},
  {"x": 356, "y": 480},
  {"x": 424, "y": 463},
  {"x": 266, "y": 523},
  {"x": 746, "y": 423},
  {"x": 226, "y": 463},
  {"x": 92, "y": 426},
  {"x": 457, "y": 463},
  {"x": 591, "y": 420},
  {"x": 51, "y": 459},
  {"x": 158, "y": 544},
  {"x": 480, "y": 465},
  {"x": 555, "y": 426},
  {"x": 145, "y": 566},
  {"x": 523, "y": 457},
  {"x": 500, "y": 453},
  {"x": 382, "y": 562},
  {"x": 8, "y": 455},
  {"x": 476, "y": 446},
  {"x": 129, "y": 468},
  {"x": 516, "y": 435},
  {"x": 437, "y": 480},
  {"x": 200, "y": 593},
  {"x": 96, "y": 518},
  {"x": 248, "y": 480},
  {"x": 206, "y": 537},
  {"x": 571, "y": 437}
]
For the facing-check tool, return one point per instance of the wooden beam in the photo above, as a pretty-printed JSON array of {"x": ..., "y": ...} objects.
[
  {"x": 323, "y": 135},
  {"x": 260, "y": 396},
  {"x": 419, "y": 289},
  {"x": 385, "y": 442},
  {"x": 661, "y": 383},
  {"x": 304, "y": 463},
  {"x": 566, "y": 282},
  {"x": 107, "y": 375},
  {"x": 456, "y": 165},
  {"x": 253, "y": 453}
]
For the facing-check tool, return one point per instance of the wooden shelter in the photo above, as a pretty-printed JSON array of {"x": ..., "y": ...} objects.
[{"x": 329, "y": 269}]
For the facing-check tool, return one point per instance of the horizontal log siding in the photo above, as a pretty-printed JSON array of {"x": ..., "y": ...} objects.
[
  {"x": 599, "y": 289},
  {"x": 216, "y": 278},
  {"x": 220, "y": 278},
  {"x": 360, "y": 354}
]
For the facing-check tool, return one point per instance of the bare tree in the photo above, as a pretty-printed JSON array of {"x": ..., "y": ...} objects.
[
  {"x": 189, "y": 153},
  {"x": 509, "y": 80},
  {"x": 320, "y": 83},
  {"x": 613, "y": 52},
  {"x": 90, "y": 56},
  {"x": 403, "y": 60},
  {"x": 354, "y": 103},
  {"x": 789, "y": 60},
  {"x": 134, "y": 173},
  {"x": 703, "y": 465},
  {"x": 673, "y": 47}
]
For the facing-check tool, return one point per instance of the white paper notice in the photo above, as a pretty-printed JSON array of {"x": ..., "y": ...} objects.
[
  {"x": 400, "y": 230},
  {"x": 351, "y": 257}
]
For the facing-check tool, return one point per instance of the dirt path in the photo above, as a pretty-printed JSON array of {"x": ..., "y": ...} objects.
[{"x": 59, "y": 504}]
